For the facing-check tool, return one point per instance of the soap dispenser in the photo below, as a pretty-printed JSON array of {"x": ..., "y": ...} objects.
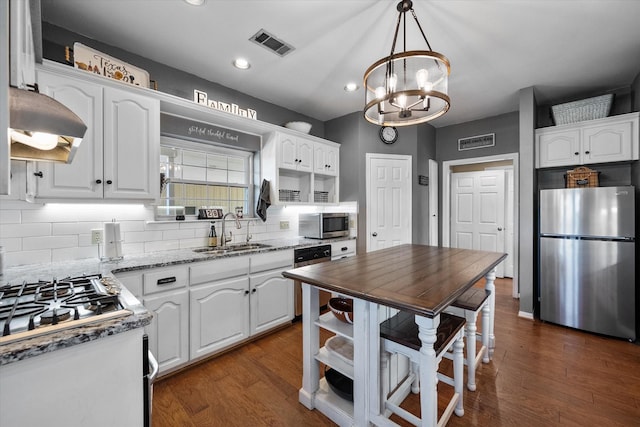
[{"x": 213, "y": 237}]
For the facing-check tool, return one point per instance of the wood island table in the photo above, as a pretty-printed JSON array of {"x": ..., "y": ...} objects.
[{"x": 423, "y": 280}]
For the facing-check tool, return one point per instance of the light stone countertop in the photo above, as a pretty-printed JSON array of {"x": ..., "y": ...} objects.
[{"x": 140, "y": 316}]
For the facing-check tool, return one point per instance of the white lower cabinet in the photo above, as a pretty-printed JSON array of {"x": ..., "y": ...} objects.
[
  {"x": 219, "y": 316},
  {"x": 271, "y": 301},
  {"x": 343, "y": 249},
  {"x": 169, "y": 331},
  {"x": 165, "y": 294},
  {"x": 209, "y": 306}
]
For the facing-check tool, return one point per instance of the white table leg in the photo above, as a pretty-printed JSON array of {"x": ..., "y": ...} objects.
[
  {"x": 363, "y": 376},
  {"x": 310, "y": 345},
  {"x": 428, "y": 370},
  {"x": 490, "y": 286}
]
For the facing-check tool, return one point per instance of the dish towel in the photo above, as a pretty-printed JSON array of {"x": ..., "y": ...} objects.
[{"x": 264, "y": 200}]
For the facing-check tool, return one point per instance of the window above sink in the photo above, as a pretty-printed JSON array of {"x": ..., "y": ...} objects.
[{"x": 196, "y": 175}]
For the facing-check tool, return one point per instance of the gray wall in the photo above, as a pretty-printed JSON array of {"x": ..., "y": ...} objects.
[
  {"x": 509, "y": 138},
  {"x": 426, "y": 150},
  {"x": 526, "y": 216},
  {"x": 505, "y": 128},
  {"x": 173, "y": 81},
  {"x": 359, "y": 137}
]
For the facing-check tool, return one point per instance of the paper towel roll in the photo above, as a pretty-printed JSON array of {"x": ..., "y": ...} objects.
[{"x": 112, "y": 240}]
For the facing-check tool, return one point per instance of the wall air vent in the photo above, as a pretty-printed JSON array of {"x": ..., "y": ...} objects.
[{"x": 271, "y": 43}]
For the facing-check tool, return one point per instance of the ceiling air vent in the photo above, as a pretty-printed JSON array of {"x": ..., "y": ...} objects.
[{"x": 271, "y": 43}]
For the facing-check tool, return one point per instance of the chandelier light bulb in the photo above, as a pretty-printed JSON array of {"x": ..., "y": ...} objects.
[
  {"x": 380, "y": 92},
  {"x": 402, "y": 100},
  {"x": 391, "y": 82},
  {"x": 422, "y": 78}
]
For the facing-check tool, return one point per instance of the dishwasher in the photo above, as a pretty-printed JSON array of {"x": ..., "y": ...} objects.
[{"x": 309, "y": 256}]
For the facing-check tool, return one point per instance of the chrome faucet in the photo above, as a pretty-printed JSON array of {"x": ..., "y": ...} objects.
[
  {"x": 249, "y": 236},
  {"x": 224, "y": 240}
]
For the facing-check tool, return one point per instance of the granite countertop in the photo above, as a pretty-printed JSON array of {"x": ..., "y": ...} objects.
[{"x": 139, "y": 317}]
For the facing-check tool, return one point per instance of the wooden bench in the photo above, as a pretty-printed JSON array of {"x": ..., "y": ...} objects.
[
  {"x": 399, "y": 334},
  {"x": 468, "y": 305}
]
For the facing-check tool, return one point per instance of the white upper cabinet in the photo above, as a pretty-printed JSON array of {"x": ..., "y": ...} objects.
[
  {"x": 611, "y": 139},
  {"x": 294, "y": 153},
  {"x": 118, "y": 156},
  {"x": 131, "y": 146},
  {"x": 301, "y": 169},
  {"x": 325, "y": 159},
  {"x": 78, "y": 178},
  {"x": 23, "y": 59}
]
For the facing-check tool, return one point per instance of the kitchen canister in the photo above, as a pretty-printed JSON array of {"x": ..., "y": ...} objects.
[{"x": 112, "y": 250}]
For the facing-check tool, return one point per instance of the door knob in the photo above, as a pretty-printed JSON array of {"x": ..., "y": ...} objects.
[{"x": 374, "y": 234}]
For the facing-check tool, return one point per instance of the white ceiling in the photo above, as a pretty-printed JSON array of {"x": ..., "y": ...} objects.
[{"x": 562, "y": 47}]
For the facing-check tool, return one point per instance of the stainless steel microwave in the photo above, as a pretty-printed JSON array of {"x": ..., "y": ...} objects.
[{"x": 323, "y": 225}]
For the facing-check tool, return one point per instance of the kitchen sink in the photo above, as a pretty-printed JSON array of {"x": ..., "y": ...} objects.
[
  {"x": 246, "y": 246},
  {"x": 212, "y": 251},
  {"x": 232, "y": 248}
]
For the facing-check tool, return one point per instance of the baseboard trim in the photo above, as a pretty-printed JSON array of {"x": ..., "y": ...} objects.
[{"x": 525, "y": 315}]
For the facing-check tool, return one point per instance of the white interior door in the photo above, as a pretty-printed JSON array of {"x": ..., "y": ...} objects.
[
  {"x": 433, "y": 202},
  {"x": 388, "y": 200},
  {"x": 478, "y": 212},
  {"x": 509, "y": 242}
]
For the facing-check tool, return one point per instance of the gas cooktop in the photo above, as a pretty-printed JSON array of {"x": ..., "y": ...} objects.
[{"x": 32, "y": 309}]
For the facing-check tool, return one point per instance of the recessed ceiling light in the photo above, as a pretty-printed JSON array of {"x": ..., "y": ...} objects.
[
  {"x": 195, "y": 2},
  {"x": 351, "y": 87},
  {"x": 241, "y": 63}
]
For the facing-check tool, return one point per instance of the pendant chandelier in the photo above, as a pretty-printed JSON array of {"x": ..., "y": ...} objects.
[{"x": 408, "y": 87}]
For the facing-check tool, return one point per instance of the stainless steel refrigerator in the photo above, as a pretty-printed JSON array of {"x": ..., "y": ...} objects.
[{"x": 587, "y": 259}]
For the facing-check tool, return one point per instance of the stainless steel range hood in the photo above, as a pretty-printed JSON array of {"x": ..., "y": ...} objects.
[{"x": 41, "y": 128}]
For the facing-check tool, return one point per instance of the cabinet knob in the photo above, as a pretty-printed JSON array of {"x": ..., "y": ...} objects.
[
  {"x": 253, "y": 291},
  {"x": 586, "y": 152},
  {"x": 109, "y": 182},
  {"x": 98, "y": 181},
  {"x": 39, "y": 174},
  {"x": 375, "y": 234},
  {"x": 576, "y": 153},
  {"x": 246, "y": 292}
]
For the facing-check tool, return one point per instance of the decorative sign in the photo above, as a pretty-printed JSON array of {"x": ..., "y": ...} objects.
[
  {"x": 200, "y": 97},
  {"x": 480, "y": 141},
  {"x": 182, "y": 128},
  {"x": 88, "y": 59}
]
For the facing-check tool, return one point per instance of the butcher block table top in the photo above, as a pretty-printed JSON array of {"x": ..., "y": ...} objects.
[{"x": 421, "y": 279}]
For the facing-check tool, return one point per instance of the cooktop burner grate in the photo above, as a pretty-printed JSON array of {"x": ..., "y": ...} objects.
[{"x": 38, "y": 305}]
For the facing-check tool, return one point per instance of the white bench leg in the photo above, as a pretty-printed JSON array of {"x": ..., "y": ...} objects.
[
  {"x": 415, "y": 385},
  {"x": 471, "y": 329},
  {"x": 458, "y": 373},
  {"x": 485, "y": 332}
]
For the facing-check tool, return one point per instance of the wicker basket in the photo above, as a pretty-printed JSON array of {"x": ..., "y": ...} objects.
[
  {"x": 586, "y": 109},
  {"x": 581, "y": 177}
]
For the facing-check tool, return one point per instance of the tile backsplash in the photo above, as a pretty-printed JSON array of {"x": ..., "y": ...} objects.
[{"x": 34, "y": 233}]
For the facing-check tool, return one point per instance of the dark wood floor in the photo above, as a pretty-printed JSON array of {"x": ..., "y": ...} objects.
[{"x": 541, "y": 375}]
